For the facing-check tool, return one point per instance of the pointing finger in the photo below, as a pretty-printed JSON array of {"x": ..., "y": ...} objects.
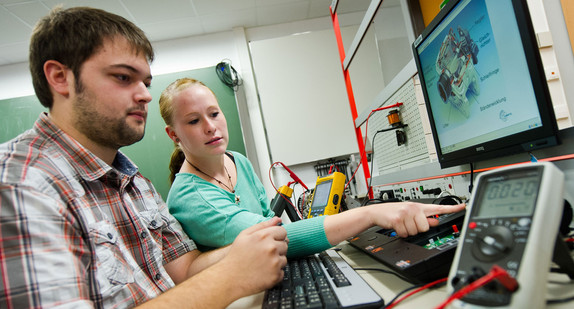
[{"x": 443, "y": 209}]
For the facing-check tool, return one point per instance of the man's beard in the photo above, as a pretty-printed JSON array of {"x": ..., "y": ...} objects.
[{"x": 102, "y": 129}]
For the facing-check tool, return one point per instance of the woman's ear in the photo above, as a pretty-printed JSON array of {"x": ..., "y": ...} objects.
[
  {"x": 58, "y": 76},
  {"x": 171, "y": 133}
]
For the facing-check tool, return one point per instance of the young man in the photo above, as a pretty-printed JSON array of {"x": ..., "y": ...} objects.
[{"x": 79, "y": 225}]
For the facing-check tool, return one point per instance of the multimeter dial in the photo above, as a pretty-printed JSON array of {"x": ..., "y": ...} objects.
[{"x": 494, "y": 243}]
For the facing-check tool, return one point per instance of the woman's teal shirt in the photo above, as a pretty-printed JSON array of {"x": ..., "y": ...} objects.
[{"x": 212, "y": 218}]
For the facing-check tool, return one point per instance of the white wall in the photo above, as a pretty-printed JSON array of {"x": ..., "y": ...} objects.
[
  {"x": 304, "y": 171},
  {"x": 15, "y": 81},
  {"x": 556, "y": 54}
]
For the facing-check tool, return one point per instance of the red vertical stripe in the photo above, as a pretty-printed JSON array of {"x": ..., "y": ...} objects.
[{"x": 351, "y": 97}]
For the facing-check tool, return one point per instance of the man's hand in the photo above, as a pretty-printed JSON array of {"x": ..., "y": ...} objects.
[
  {"x": 253, "y": 263},
  {"x": 257, "y": 257}
]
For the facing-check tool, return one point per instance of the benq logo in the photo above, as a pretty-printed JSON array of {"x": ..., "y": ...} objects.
[
  {"x": 504, "y": 115},
  {"x": 481, "y": 148}
]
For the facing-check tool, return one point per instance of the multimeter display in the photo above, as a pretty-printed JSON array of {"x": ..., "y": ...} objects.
[
  {"x": 513, "y": 194},
  {"x": 321, "y": 197}
]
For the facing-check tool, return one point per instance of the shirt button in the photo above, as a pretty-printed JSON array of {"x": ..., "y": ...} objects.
[
  {"x": 110, "y": 236},
  {"x": 143, "y": 234},
  {"x": 157, "y": 276},
  {"x": 153, "y": 223}
]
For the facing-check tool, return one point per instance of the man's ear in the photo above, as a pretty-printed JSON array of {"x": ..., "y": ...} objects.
[
  {"x": 171, "y": 133},
  {"x": 59, "y": 77}
]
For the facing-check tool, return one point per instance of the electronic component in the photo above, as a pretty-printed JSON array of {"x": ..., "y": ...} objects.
[
  {"x": 393, "y": 118},
  {"x": 282, "y": 202}
]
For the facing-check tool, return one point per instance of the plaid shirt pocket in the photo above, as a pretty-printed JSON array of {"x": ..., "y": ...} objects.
[{"x": 112, "y": 270}]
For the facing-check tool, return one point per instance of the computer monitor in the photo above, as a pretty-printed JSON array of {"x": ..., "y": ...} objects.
[{"x": 483, "y": 82}]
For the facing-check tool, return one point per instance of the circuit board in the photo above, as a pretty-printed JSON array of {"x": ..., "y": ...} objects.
[{"x": 440, "y": 241}]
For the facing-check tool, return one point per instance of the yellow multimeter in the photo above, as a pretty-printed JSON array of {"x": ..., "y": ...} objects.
[{"x": 327, "y": 195}]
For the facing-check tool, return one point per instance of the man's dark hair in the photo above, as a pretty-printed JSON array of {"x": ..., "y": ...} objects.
[{"x": 71, "y": 36}]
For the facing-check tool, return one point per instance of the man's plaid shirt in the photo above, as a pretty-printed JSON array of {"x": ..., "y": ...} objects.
[{"x": 76, "y": 232}]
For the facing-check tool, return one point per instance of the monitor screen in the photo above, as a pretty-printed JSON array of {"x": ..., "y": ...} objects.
[{"x": 483, "y": 82}]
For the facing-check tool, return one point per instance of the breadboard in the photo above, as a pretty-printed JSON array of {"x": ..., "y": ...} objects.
[{"x": 387, "y": 154}]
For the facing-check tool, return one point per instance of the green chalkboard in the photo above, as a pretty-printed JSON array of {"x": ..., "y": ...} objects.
[
  {"x": 18, "y": 115},
  {"x": 153, "y": 152}
]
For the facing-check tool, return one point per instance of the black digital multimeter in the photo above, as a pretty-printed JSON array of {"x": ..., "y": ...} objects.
[{"x": 512, "y": 222}]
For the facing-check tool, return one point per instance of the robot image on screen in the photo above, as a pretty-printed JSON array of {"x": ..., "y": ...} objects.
[{"x": 455, "y": 66}]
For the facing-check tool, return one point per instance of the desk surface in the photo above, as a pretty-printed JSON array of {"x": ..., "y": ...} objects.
[{"x": 388, "y": 285}]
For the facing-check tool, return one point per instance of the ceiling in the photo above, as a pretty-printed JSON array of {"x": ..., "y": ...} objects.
[{"x": 165, "y": 19}]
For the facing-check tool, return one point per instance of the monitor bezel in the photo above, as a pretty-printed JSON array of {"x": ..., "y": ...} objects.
[{"x": 525, "y": 141}]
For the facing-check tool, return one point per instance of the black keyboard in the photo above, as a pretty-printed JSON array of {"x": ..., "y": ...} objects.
[{"x": 323, "y": 280}]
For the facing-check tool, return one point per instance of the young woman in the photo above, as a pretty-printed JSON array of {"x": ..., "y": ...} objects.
[{"x": 215, "y": 193}]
